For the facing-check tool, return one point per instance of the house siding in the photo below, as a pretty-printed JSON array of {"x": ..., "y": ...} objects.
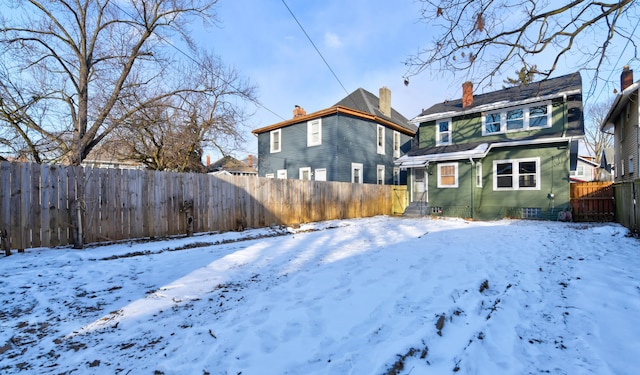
[
  {"x": 345, "y": 140},
  {"x": 485, "y": 203},
  {"x": 626, "y": 142},
  {"x": 469, "y": 128}
]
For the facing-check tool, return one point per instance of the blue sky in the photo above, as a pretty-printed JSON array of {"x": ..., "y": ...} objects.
[{"x": 364, "y": 41}]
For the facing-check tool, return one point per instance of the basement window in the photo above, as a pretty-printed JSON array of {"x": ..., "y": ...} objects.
[{"x": 531, "y": 213}]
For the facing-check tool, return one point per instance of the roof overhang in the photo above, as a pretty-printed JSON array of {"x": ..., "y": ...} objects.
[
  {"x": 335, "y": 110},
  {"x": 478, "y": 152},
  {"x": 618, "y": 104},
  {"x": 493, "y": 106}
]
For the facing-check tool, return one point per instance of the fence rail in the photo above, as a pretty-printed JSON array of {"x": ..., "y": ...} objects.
[
  {"x": 47, "y": 205},
  {"x": 592, "y": 201}
]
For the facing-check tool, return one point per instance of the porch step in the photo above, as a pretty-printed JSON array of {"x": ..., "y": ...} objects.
[{"x": 417, "y": 209}]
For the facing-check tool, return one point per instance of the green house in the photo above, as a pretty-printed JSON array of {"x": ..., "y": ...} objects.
[{"x": 506, "y": 153}]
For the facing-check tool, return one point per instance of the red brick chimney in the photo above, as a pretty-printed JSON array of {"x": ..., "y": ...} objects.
[
  {"x": 208, "y": 160},
  {"x": 250, "y": 160},
  {"x": 299, "y": 112},
  {"x": 626, "y": 78},
  {"x": 467, "y": 94}
]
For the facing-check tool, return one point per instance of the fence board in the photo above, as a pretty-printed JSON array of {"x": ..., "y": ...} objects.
[
  {"x": 42, "y": 205},
  {"x": 592, "y": 201}
]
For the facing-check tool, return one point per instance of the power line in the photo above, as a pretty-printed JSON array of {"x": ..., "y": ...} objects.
[{"x": 314, "y": 46}]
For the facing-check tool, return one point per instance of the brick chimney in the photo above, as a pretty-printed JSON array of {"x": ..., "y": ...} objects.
[
  {"x": 208, "y": 160},
  {"x": 626, "y": 78},
  {"x": 299, "y": 112},
  {"x": 250, "y": 160},
  {"x": 467, "y": 94},
  {"x": 384, "y": 103}
]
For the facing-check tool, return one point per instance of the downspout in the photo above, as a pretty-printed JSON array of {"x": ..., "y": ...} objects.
[{"x": 472, "y": 183}]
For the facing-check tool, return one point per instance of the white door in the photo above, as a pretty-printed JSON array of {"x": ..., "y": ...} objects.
[{"x": 419, "y": 185}]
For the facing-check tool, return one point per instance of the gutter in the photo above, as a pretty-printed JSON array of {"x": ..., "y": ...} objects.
[{"x": 491, "y": 107}]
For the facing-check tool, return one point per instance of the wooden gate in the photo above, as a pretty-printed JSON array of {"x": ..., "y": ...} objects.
[
  {"x": 400, "y": 199},
  {"x": 592, "y": 201}
]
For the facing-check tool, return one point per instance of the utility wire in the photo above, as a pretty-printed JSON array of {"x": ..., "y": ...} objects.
[{"x": 316, "y": 48}]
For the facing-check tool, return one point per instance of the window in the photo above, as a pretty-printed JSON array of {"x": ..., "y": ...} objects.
[
  {"x": 321, "y": 174},
  {"x": 380, "y": 139},
  {"x": 396, "y": 144},
  {"x": 269, "y": 175},
  {"x": 396, "y": 175},
  {"x": 443, "y": 132},
  {"x": 448, "y": 175},
  {"x": 356, "y": 173},
  {"x": 281, "y": 173},
  {"x": 517, "y": 119},
  {"x": 531, "y": 213},
  {"x": 520, "y": 174},
  {"x": 479, "y": 174},
  {"x": 380, "y": 175},
  {"x": 314, "y": 132},
  {"x": 276, "y": 138},
  {"x": 492, "y": 123},
  {"x": 579, "y": 172},
  {"x": 538, "y": 117},
  {"x": 631, "y": 164},
  {"x": 305, "y": 173}
]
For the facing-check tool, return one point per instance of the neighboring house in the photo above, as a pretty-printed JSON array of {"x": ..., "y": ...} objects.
[
  {"x": 108, "y": 154},
  {"x": 231, "y": 166},
  {"x": 356, "y": 140},
  {"x": 607, "y": 169},
  {"x": 586, "y": 170},
  {"x": 622, "y": 121},
  {"x": 506, "y": 153}
]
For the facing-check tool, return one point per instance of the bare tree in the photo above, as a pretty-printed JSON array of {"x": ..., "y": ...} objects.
[
  {"x": 72, "y": 72},
  {"x": 595, "y": 140},
  {"x": 484, "y": 38},
  {"x": 170, "y": 134}
]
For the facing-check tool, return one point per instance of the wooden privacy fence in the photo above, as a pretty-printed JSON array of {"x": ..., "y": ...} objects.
[
  {"x": 592, "y": 201},
  {"x": 49, "y": 205}
]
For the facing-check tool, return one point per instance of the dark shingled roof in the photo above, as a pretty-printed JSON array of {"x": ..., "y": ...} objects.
[
  {"x": 507, "y": 97},
  {"x": 230, "y": 164},
  {"x": 364, "y": 101},
  {"x": 547, "y": 87}
]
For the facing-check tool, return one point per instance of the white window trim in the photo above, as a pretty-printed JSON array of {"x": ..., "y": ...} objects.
[
  {"x": 526, "y": 127},
  {"x": 272, "y": 135},
  {"x": 396, "y": 144},
  {"x": 310, "y": 141},
  {"x": 269, "y": 175},
  {"x": 380, "y": 145},
  {"x": 449, "y": 132},
  {"x": 358, "y": 166},
  {"x": 478, "y": 174},
  {"x": 455, "y": 184},
  {"x": 516, "y": 174},
  {"x": 380, "y": 168},
  {"x": 396, "y": 175},
  {"x": 319, "y": 172},
  {"x": 281, "y": 173},
  {"x": 301, "y": 172}
]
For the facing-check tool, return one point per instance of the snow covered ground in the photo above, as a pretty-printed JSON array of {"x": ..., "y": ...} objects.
[{"x": 370, "y": 296}]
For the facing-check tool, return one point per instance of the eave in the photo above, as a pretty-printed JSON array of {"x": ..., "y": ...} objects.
[
  {"x": 619, "y": 102},
  {"x": 331, "y": 111},
  {"x": 479, "y": 152},
  {"x": 492, "y": 107}
]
